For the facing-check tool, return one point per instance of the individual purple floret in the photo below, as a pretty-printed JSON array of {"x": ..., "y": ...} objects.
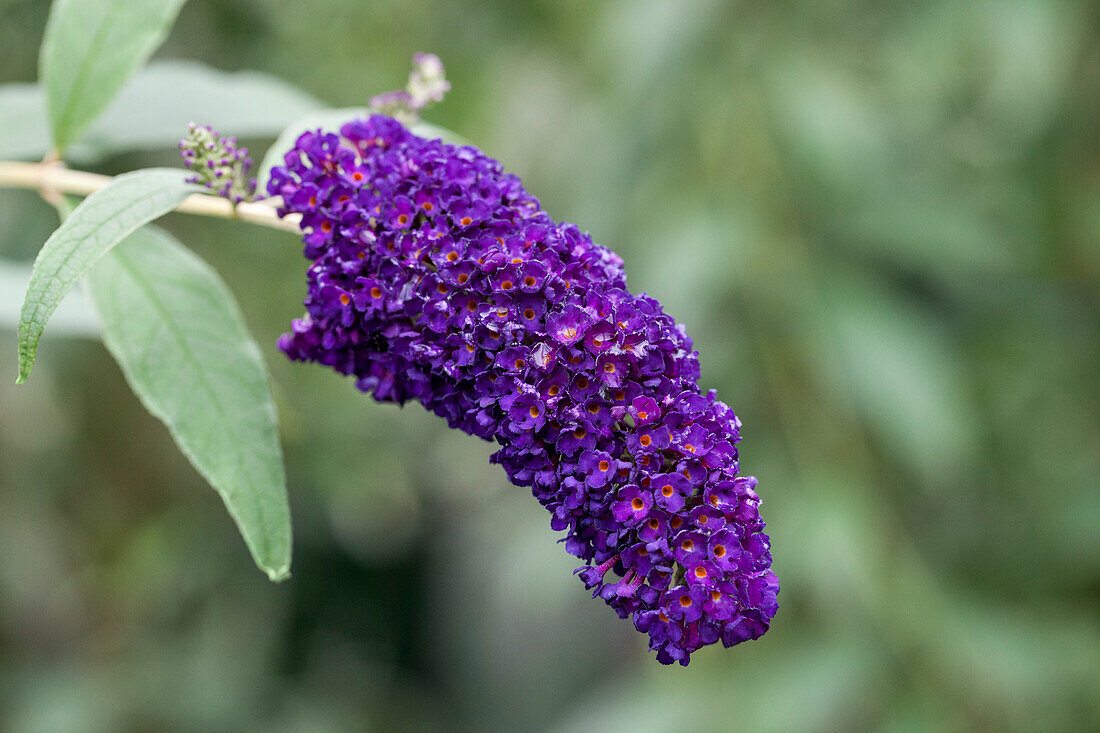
[
  {"x": 217, "y": 163},
  {"x": 437, "y": 278}
]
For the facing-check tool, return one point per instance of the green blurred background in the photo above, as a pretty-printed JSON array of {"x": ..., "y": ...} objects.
[{"x": 880, "y": 222}]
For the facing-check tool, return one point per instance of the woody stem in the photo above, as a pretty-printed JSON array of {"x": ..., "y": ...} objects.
[{"x": 53, "y": 178}]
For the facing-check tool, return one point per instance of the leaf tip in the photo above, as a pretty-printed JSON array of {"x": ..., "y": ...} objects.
[
  {"x": 279, "y": 574},
  {"x": 26, "y": 363}
]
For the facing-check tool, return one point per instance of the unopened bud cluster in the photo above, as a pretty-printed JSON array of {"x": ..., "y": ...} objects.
[{"x": 217, "y": 163}]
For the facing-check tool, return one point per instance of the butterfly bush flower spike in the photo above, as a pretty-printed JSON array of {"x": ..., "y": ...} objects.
[
  {"x": 436, "y": 277},
  {"x": 217, "y": 163}
]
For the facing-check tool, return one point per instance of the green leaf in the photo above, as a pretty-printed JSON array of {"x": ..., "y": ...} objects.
[
  {"x": 103, "y": 220},
  {"x": 73, "y": 317},
  {"x": 90, "y": 49},
  {"x": 153, "y": 108},
  {"x": 23, "y": 128},
  {"x": 176, "y": 331},
  {"x": 331, "y": 120},
  {"x": 428, "y": 130}
]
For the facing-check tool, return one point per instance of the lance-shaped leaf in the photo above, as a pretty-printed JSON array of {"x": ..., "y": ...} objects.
[
  {"x": 152, "y": 111},
  {"x": 103, "y": 220},
  {"x": 24, "y": 133},
  {"x": 74, "y": 315},
  {"x": 176, "y": 331},
  {"x": 90, "y": 49}
]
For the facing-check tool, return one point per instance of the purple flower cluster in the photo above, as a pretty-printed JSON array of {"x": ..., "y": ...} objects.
[
  {"x": 437, "y": 278},
  {"x": 217, "y": 163}
]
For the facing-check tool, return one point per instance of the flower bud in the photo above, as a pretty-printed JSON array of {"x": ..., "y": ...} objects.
[{"x": 217, "y": 163}]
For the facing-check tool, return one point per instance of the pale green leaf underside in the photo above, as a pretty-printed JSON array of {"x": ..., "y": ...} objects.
[
  {"x": 176, "y": 331},
  {"x": 103, "y": 220},
  {"x": 330, "y": 120},
  {"x": 153, "y": 109},
  {"x": 74, "y": 315},
  {"x": 24, "y": 132},
  {"x": 430, "y": 131},
  {"x": 89, "y": 50}
]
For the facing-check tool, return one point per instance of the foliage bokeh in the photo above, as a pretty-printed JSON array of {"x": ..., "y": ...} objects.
[{"x": 881, "y": 224}]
